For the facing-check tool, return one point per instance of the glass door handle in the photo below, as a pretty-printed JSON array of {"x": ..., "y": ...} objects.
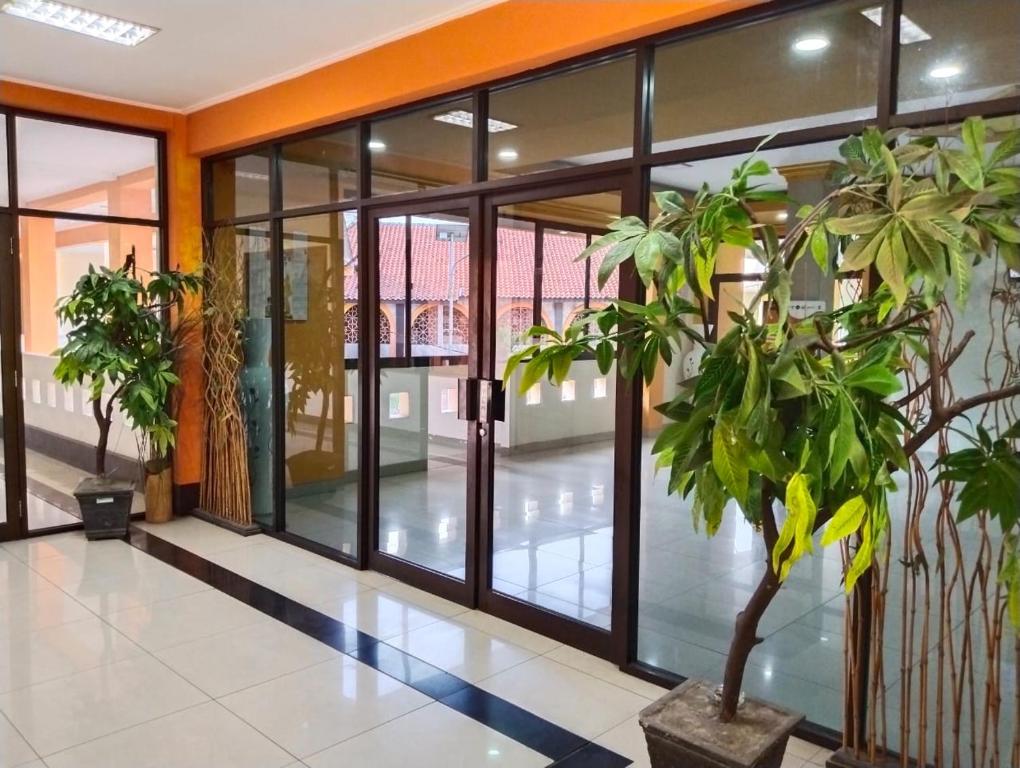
[{"x": 491, "y": 401}]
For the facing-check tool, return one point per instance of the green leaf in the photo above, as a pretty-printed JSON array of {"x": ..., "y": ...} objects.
[
  {"x": 862, "y": 558},
  {"x": 604, "y": 356},
  {"x": 893, "y": 263},
  {"x": 973, "y": 134},
  {"x": 727, "y": 458},
  {"x": 847, "y": 520},
  {"x": 874, "y": 378},
  {"x": 861, "y": 224},
  {"x": 966, "y": 167},
  {"x": 795, "y": 535}
]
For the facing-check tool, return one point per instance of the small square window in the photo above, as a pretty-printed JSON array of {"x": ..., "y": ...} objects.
[
  {"x": 568, "y": 391},
  {"x": 448, "y": 400},
  {"x": 400, "y": 405},
  {"x": 533, "y": 395},
  {"x": 348, "y": 409},
  {"x": 36, "y": 391},
  {"x": 598, "y": 388}
]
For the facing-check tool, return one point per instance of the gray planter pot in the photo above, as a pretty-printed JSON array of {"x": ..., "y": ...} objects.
[
  {"x": 105, "y": 505},
  {"x": 683, "y": 730}
]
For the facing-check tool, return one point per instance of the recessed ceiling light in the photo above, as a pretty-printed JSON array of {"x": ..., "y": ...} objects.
[
  {"x": 80, "y": 20},
  {"x": 782, "y": 215},
  {"x": 466, "y": 119},
  {"x": 811, "y": 44},
  {"x": 507, "y": 155},
  {"x": 910, "y": 31},
  {"x": 375, "y": 145},
  {"x": 945, "y": 71}
]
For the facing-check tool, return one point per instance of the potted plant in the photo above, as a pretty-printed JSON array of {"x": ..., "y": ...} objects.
[
  {"x": 800, "y": 423},
  {"x": 120, "y": 338}
]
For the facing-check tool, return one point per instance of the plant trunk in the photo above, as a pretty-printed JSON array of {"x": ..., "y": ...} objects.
[
  {"x": 103, "y": 422},
  {"x": 745, "y": 632},
  {"x": 745, "y": 638}
]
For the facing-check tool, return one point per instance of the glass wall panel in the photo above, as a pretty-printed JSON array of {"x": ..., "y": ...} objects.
[
  {"x": 691, "y": 587},
  {"x": 957, "y": 52},
  {"x": 554, "y": 457},
  {"x": 60, "y": 431},
  {"x": 426, "y": 148},
  {"x": 241, "y": 256},
  {"x": 572, "y": 118},
  {"x": 320, "y": 352},
  {"x": 394, "y": 302},
  {"x": 74, "y": 169},
  {"x": 320, "y": 170},
  {"x": 5, "y": 197},
  {"x": 422, "y": 443},
  {"x": 802, "y": 69},
  {"x": 240, "y": 186}
]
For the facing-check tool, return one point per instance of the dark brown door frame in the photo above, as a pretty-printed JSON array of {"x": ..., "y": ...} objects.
[
  {"x": 15, "y": 525},
  {"x": 607, "y": 644},
  {"x": 460, "y": 591}
]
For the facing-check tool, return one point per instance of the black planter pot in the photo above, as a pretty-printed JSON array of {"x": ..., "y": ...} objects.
[
  {"x": 105, "y": 505},
  {"x": 683, "y": 730}
]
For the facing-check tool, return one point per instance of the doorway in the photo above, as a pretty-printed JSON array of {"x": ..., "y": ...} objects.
[{"x": 485, "y": 495}]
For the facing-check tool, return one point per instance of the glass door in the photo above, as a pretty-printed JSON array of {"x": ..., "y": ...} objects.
[
  {"x": 423, "y": 310},
  {"x": 549, "y": 533},
  {"x": 11, "y": 522}
]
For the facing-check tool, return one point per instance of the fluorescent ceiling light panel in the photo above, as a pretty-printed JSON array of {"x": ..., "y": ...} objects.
[
  {"x": 80, "y": 20},
  {"x": 465, "y": 119},
  {"x": 910, "y": 32}
]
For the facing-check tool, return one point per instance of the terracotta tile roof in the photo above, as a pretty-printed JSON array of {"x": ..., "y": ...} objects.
[{"x": 562, "y": 275}]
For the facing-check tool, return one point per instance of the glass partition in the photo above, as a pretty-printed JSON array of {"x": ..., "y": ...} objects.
[
  {"x": 60, "y": 430},
  {"x": 241, "y": 257},
  {"x": 240, "y": 186},
  {"x": 552, "y": 516},
  {"x": 74, "y": 169},
  {"x": 799, "y": 70},
  {"x": 320, "y": 170},
  {"x": 422, "y": 444},
  {"x": 426, "y": 148},
  {"x": 320, "y": 357},
  {"x": 571, "y": 118},
  {"x": 5, "y": 196},
  {"x": 957, "y": 52}
]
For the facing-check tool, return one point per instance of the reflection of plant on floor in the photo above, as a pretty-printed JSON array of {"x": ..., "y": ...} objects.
[
  {"x": 810, "y": 413},
  {"x": 120, "y": 338}
]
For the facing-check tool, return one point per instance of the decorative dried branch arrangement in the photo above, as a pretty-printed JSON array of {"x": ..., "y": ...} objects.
[
  {"x": 949, "y": 697},
  {"x": 226, "y": 492},
  {"x": 828, "y": 415}
]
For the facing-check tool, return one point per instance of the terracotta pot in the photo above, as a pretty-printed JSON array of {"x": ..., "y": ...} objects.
[
  {"x": 683, "y": 730},
  {"x": 158, "y": 501}
]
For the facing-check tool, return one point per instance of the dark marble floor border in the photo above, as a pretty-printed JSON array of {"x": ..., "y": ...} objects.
[{"x": 564, "y": 748}]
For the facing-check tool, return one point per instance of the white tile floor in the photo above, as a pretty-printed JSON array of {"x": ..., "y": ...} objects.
[{"x": 110, "y": 658}]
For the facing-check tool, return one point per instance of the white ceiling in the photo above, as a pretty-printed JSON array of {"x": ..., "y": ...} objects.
[{"x": 208, "y": 50}]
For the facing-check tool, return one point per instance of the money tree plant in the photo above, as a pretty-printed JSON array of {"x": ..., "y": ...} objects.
[
  {"x": 801, "y": 422},
  {"x": 123, "y": 347}
]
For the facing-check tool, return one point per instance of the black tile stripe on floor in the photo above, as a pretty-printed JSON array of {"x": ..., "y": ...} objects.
[{"x": 565, "y": 749}]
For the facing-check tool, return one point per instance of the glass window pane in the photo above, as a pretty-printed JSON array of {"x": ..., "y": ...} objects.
[
  {"x": 573, "y": 118},
  {"x": 426, "y": 148},
  {"x": 321, "y": 380},
  {"x": 422, "y": 466},
  {"x": 320, "y": 170},
  {"x": 5, "y": 198},
  {"x": 554, "y": 458},
  {"x": 690, "y": 586},
  {"x": 60, "y": 430},
  {"x": 803, "y": 69},
  {"x": 957, "y": 52},
  {"x": 240, "y": 186},
  {"x": 239, "y": 257},
  {"x": 75, "y": 169}
]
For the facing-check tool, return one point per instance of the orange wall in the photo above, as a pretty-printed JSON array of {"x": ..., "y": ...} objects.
[
  {"x": 498, "y": 41},
  {"x": 184, "y": 230}
]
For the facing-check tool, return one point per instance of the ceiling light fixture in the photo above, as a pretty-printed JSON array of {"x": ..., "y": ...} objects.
[
  {"x": 910, "y": 31},
  {"x": 507, "y": 155},
  {"x": 85, "y": 22},
  {"x": 945, "y": 71},
  {"x": 466, "y": 119},
  {"x": 811, "y": 44},
  {"x": 376, "y": 146}
]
